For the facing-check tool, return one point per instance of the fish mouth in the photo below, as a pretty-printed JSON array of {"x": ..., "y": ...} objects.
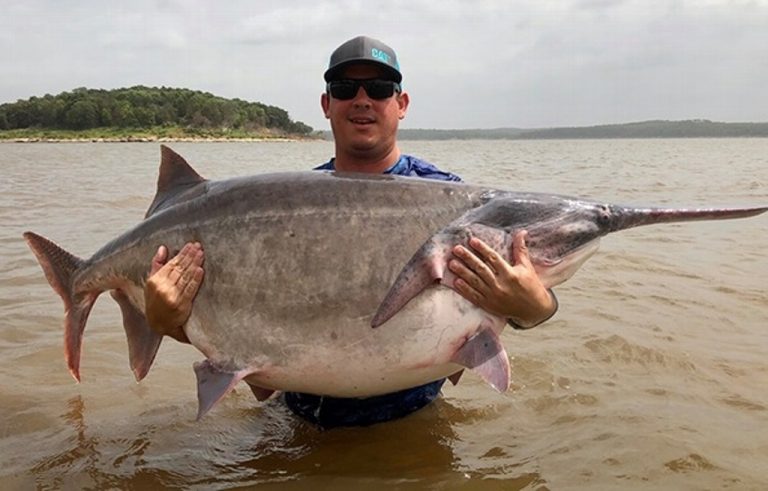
[{"x": 554, "y": 271}]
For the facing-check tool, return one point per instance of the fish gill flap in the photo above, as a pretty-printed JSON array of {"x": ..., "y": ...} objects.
[
  {"x": 175, "y": 177},
  {"x": 484, "y": 354}
]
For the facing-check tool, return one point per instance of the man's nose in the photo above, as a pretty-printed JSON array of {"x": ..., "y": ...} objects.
[{"x": 361, "y": 98}]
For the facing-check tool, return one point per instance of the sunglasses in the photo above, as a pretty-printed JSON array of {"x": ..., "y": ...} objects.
[{"x": 377, "y": 89}]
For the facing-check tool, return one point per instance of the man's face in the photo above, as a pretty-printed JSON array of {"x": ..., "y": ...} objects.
[{"x": 362, "y": 126}]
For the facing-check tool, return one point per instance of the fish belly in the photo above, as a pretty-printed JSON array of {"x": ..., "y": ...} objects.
[{"x": 342, "y": 356}]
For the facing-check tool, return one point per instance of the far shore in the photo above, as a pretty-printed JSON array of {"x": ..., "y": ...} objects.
[{"x": 145, "y": 139}]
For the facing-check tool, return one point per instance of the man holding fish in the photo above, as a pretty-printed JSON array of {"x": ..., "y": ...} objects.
[{"x": 364, "y": 103}]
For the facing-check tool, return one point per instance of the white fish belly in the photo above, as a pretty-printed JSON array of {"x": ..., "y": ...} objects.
[{"x": 345, "y": 357}]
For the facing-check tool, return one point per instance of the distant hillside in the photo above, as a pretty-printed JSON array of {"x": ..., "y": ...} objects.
[
  {"x": 698, "y": 128},
  {"x": 492, "y": 134},
  {"x": 144, "y": 108}
]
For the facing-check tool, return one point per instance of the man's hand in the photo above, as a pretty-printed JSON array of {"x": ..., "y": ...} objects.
[
  {"x": 513, "y": 292},
  {"x": 171, "y": 288}
]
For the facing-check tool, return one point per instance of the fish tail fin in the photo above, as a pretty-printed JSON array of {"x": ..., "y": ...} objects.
[{"x": 60, "y": 267}]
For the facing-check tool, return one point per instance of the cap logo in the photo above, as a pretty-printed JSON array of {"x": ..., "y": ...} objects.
[{"x": 381, "y": 55}]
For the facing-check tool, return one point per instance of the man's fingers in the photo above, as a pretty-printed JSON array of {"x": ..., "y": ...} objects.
[
  {"x": 466, "y": 276},
  {"x": 161, "y": 256},
  {"x": 191, "y": 253},
  {"x": 490, "y": 256},
  {"x": 466, "y": 290},
  {"x": 192, "y": 286},
  {"x": 187, "y": 275},
  {"x": 520, "y": 253},
  {"x": 190, "y": 256},
  {"x": 474, "y": 263}
]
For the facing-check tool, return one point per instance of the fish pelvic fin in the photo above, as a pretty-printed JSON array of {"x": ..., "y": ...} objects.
[
  {"x": 175, "y": 177},
  {"x": 143, "y": 342},
  {"x": 213, "y": 383},
  {"x": 484, "y": 354},
  {"x": 60, "y": 268}
]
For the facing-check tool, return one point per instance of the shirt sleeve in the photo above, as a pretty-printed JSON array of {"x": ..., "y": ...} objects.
[{"x": 515, "y": 325}]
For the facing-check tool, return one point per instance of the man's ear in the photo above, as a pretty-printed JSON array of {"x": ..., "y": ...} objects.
[
  {"x": 402, "y": 104},
  {"x": 325, "y": 103}
]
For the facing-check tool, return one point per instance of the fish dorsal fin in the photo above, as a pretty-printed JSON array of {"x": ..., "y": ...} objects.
[{"x": 176, "y": 176}]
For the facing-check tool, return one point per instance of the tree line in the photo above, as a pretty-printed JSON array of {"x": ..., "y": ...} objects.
[
  {"x": 144, "y": 107},
  {"x": 694, "y": 128}
]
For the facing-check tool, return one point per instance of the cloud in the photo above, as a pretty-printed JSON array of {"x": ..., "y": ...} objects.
[{"x": 466, "y": 64}]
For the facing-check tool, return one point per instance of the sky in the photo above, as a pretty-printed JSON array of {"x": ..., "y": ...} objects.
[{"x": 466, "y": 64}]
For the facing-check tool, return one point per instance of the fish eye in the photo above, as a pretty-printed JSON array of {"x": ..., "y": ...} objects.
[{"x": 604, "y": 214}]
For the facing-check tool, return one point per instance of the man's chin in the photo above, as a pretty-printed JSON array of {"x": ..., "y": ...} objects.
[{"x": 363, "y": 144}]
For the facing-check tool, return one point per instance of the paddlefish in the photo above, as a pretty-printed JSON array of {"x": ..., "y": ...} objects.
[{"x": 331, "y": 283}]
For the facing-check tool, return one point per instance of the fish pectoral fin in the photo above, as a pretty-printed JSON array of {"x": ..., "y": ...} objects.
[
  {"x": 143, "y": 342},
  {"x": 213, "y": 383},
  {"x": 261, "y": 393},
  {"x": 484, "y": 354},
  {"x": 423, "y": 270},
  {"x": 430, "y": 264}
]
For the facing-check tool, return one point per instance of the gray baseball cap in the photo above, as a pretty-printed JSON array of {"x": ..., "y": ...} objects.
[{"x": 363, "y": 49}]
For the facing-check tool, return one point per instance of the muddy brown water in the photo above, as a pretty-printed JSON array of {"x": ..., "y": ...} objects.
[{"x": 653, "y": 374}]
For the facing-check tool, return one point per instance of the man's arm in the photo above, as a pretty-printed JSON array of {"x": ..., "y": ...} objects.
[
  {"x": 514, "y": 292},
  {"x": 171, "y": 289}
]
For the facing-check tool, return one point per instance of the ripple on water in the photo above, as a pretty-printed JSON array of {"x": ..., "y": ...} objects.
[{"x": 616, "y": 349}]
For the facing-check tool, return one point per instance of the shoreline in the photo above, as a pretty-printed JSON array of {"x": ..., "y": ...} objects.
[{"x": 151, "y": 139}]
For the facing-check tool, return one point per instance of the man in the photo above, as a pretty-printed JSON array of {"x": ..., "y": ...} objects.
[{"x": 364, "y": 103}]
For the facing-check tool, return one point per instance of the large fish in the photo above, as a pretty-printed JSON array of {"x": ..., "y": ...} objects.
[{"x": 331, "y": 283}]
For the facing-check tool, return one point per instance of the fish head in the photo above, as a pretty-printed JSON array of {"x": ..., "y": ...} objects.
[{"x": 562, "y": 239}]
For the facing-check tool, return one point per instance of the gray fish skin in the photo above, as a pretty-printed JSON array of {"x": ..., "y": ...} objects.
[
  {"x": 563, "y": 232},
  {"x": 299, "y": 266}
]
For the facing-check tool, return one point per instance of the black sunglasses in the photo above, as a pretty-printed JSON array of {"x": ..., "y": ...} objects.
[{"x": 377, "y": 89}]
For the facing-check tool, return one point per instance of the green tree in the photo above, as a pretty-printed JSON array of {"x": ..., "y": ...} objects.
[
  {"x": 81, "y": 115},
  {"x": 141, "y": 106}
]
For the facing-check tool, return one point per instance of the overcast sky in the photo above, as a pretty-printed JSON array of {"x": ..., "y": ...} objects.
[{"x": 466, "y": 64}]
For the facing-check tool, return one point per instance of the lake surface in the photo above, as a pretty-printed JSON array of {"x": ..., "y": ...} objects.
[{"x": 653, "y": 374}]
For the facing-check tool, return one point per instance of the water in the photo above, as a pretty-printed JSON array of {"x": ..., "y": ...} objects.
[{"x": 652, "y": 375}]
